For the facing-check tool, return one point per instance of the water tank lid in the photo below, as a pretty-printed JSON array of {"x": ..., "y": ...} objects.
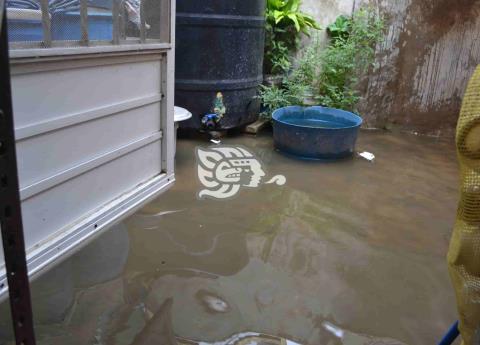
[{"x": 181, "y": 114}]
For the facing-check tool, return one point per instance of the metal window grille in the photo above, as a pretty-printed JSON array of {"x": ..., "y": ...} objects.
[{"x": 87, "y": 23}]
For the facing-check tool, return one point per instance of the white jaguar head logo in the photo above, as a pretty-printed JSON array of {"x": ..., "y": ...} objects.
[{"x": 224, "y": 170}]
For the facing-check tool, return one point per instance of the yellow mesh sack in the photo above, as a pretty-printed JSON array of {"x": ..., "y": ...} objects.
[{"x": 464, "y": 252}]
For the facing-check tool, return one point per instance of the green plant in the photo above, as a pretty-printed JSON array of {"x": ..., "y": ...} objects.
[
  {"x": 279, "y": 57},
  {"x": 285, "y": 13},
  {"x": 331, "y": 74},
  {"x": 294, "y": 87},
  {"x": 284, "y": 25},
  {"x": 273, "y": 97},
  {"x": 340, "y": 29},
  {"x": 347, "y": 58}
]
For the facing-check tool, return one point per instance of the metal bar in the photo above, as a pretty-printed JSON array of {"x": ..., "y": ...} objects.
[
  {"x": 46, "y": 24},
  {"x": 143, "y": 29},
  {"x": 116, "y": 22},
  {"x": 2, "y": 6},
  {"x": 167, "y": 16},
  {"x": 84, "y": 22},
  {"x": 122, "y": 21},
  {"x": 164, "y": 111},
  {"x": 10, "y": 210}
]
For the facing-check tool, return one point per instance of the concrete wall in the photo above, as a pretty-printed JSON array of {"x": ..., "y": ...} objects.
[
  {"x": 430, "y": 52},
  {"x": 326, "y": 11}
]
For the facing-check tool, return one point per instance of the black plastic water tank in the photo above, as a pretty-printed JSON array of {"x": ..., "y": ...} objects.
[{"x": 219, "y": 48}]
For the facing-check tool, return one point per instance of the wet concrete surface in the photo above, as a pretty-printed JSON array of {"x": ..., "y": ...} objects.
[{"x": 350, "y": 253}]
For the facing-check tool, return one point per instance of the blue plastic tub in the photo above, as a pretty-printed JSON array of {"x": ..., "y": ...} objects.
[
  {"x": 24, "y": 30},
  {"x": 66, "y": 26},
  {"x": 315, "y": 132}
]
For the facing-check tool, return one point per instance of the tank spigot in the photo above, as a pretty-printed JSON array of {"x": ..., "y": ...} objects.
[{"x": 210, "y": 121}]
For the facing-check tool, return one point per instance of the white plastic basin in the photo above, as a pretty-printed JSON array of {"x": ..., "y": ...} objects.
[{"x": 180, "y": 114}]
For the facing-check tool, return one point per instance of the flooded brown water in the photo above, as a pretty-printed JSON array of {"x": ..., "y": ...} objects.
[{"x": 348, "y": 253}]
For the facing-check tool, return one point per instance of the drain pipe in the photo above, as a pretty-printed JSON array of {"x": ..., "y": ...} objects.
[{"x": 451, "y": 335}]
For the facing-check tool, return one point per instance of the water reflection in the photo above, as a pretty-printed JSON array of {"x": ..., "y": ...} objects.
[{"x": 346, "y": 253}]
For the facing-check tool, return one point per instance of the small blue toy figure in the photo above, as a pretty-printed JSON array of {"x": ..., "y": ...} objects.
[{"x": 210, "y": 121}]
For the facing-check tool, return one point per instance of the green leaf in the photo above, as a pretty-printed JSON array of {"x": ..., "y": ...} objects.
[
  {"x": 294, "y": 18},
  {"x": 278, "y": 16},
  {"x": 295, "y": 5},
  {"x": 274, "y": 4},
  {"x": 312, "y": 23},
  {"x": 279, "y": 19},
  {"x": 291, "y": 5}
]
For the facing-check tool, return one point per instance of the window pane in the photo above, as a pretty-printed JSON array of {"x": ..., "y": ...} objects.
[
  {"x": 100, "y": 23},
  {"x": 132, "y": 18},
  {"x": 152, "y": 18},
  {"x": 24, "y": 19},
  {"x": 66, "y": 20}
]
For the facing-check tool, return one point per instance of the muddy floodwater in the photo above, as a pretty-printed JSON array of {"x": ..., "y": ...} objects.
[{"x": 350, "y": 253}]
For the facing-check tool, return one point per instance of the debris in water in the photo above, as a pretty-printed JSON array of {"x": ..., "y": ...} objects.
[
  {"x": 216, "y": 304},
  {"x": 150, "y": 221},
  {"x": 347, "y": 337},
  {"x": 212, "y": 302},
  {"x": 367, "y": 155},
  {"x": 216, "y": 141},
  {"x": 338, "y": 332},
  {"x": 164, "y": 213}
]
